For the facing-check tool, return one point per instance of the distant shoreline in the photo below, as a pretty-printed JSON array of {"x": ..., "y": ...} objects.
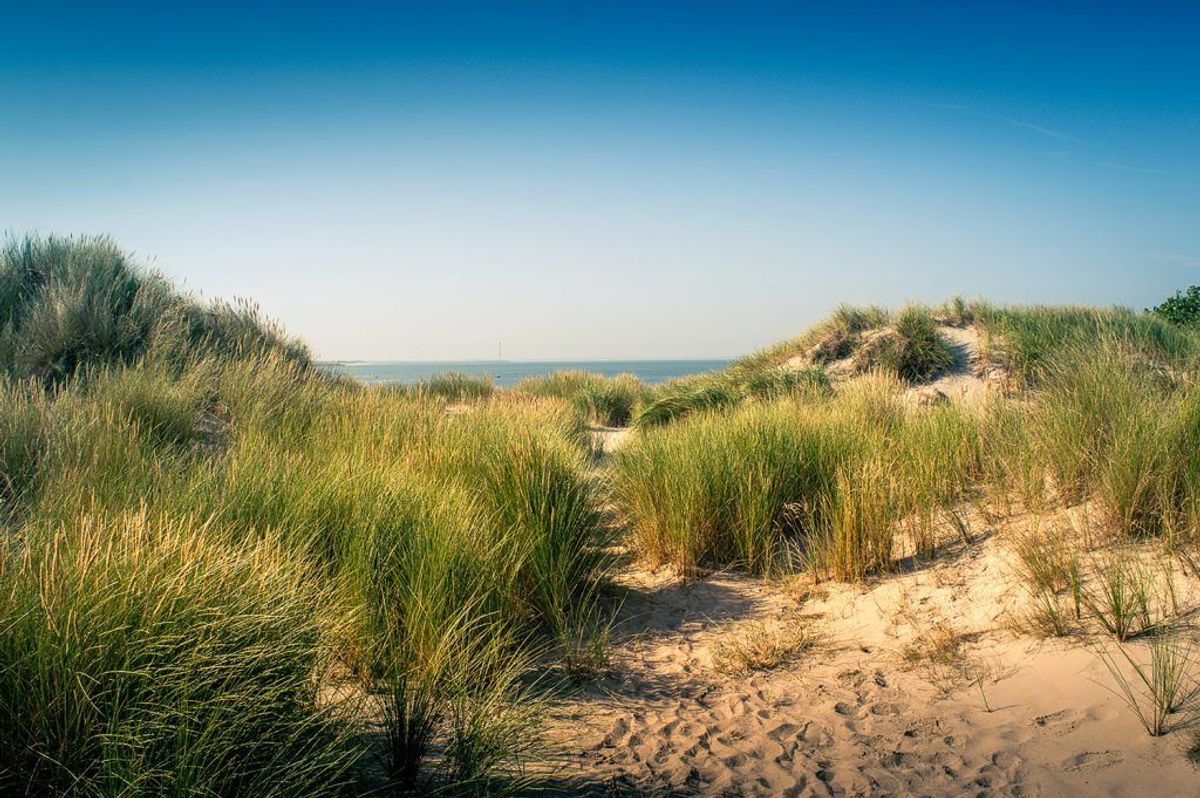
[
  {"x": 506, "y": 373},
  {"x": 531, "y": 360}
]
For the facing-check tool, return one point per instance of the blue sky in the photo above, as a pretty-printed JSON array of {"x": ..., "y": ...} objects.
[{"x": 617, "y": 179}]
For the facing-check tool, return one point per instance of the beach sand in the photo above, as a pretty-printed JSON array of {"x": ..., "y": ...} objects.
[{"x": 916, "y": 683}]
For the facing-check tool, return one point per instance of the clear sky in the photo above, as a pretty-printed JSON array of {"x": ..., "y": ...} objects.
[{"x": 610, "y": 179}]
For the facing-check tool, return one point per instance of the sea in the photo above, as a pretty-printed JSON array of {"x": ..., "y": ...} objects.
[{"x": 506, "y": 373}]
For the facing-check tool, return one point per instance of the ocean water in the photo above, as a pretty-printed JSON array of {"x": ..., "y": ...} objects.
[{"x": 506, "y": 373}]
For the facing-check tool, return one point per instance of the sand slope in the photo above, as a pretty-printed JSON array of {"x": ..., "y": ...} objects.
[{"x": 854, "y": 715}]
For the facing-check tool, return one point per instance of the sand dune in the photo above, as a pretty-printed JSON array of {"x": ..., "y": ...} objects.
[{"x": 873, "y": 708}]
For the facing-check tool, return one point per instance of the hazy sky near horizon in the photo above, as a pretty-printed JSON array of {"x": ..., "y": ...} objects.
[{"x": 610, "y": 179}]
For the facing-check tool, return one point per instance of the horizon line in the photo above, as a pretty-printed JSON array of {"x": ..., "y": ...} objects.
[{"x": 356, "y": 361}]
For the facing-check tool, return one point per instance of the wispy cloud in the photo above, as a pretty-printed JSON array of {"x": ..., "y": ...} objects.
[
  {"x": 1059, "y": 154},
  {"x": 1175, "y": 257},
  {"x": 1045, "y": 131},
  {"x": 1146, "y": 170}
]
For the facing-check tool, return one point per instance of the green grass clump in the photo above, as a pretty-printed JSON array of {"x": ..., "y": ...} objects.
[
  {"x": 608, "y": 402},
  {"x": 1107, "y": 424},
  {"x": 229, "y": 330},
  {"x": 69, "y": 303},
  {"x": 957, "y": 312},
  {"x": 788, "y": 383},
  {"x": 679, "y": 398},
  {"x": 716, "y": 490},
  {"x": 65, "y": 303},
  {"x": 832, "y": 339},
  {"x": 1028, "y": 340},
  {"x": 455, "y": 386},
  {"x": 753, "y": 487},
  {"x": 435, "y": 642},
  {"x": 940, "y": 454},
  {"x": 918, "y": 352},
  {"x": 855, "y": 533},
  {"x": 141, "y": 656},
  {"x": 529, "y": 479},
  {"x": 827, "y": 480}
]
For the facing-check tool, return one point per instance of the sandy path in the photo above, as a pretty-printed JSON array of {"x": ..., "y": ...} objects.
[{"x": 854, "y": 716}]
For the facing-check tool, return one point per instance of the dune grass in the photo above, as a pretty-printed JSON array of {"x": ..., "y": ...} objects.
[
  {"x": 605, "y": 401},
  {"x": 67, "y": 303},
  {"x": 868, "y": 339},
  {"x": 456, "y": 387},
  {"x": 680, "y": 398},
  {"x": 447, "y": 540},
  {"x": 206, "y": 539},
  {"x": 918, "y": 352},
  {"x": 829, "y": 340},
  {"x": 1028, "y": 340},
  {"x": 825, "y": 473},
  {"x": 201, "y": 525},
  {"x": 140, "y": 656},
  {"x": 1109, "y": 416}
]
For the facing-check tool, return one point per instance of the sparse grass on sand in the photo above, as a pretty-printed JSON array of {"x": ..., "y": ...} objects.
[{"x": 762, "y": 646}]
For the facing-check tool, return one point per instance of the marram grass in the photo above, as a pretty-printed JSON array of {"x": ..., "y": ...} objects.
[
  {"x": 204, "y": 535},
  {"x": 140, "y": 655}
]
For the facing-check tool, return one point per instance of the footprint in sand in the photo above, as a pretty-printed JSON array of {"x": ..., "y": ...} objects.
[
  {"x": 616, "y": 734},
  {"x": 784, "y": 731},
  {"x": 1092, "y": 760},
  {"x": 1061, "y": 722},
  {"x": 845, "y": 709}
]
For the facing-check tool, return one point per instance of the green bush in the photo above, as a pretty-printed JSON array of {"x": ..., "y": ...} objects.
[{"x": 1182, "y": 308}]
